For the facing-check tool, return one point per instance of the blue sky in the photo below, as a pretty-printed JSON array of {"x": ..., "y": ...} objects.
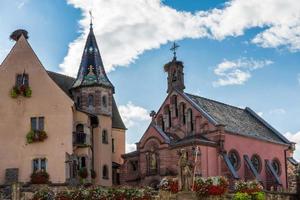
[{"x": 231, "y": 53}]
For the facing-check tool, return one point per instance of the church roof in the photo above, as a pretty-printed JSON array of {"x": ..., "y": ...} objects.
[
  {"x": 237, "y": 120},
  {"x": 91, "y": 70},
  {"x": 66, "y": 82}
]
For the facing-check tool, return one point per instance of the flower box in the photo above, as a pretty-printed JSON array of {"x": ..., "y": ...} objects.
[
  {"x": 36, "y": 136},
  {"x": 39, "y": 177}
]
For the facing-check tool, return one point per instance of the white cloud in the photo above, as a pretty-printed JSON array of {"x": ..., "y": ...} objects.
[
  {"x": 294, "y": 138},
  {"x": 20, "y": 4},
  {"x": 237, "y": 72},
  {"x": 132, "y": 114},
  {"x": 277, "y": 111},
  {"x": 130, "y": 147},
  {"x": 125, "y": 29}
]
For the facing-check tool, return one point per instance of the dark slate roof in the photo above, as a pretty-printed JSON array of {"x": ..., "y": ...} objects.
[
  {"x": 65, "y": 83},
  {"x": 91, "y": 70},
  {"x": 236, "y": 120},
  {"x": 117, "y": 121}
]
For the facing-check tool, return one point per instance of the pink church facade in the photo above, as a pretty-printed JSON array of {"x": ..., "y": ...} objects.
[{"x": 220, "y": 140}]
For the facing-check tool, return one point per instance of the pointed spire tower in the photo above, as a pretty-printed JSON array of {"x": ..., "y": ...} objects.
[
  {"x": 92, "y": 90},
  {"x": 91, "y": 71}
]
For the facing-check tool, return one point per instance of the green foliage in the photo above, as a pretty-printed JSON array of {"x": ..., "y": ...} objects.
[
  {"x": 259, "y": 196},
  {"x": 14, "y": 92},
  {"x": 253, "y": 196},
  {"x": 36, "y": 136},
  {"x": 27, "y": 92},
  {"x": 30, "y": 137},
  {"x": 22, "y": 90},
  {"x": 241, "y": 196}
]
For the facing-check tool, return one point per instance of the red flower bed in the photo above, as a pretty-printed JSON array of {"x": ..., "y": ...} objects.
[{"x": 40, "y": 177}]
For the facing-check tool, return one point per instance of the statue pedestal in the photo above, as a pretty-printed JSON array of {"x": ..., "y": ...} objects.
[{"x": 186, "y": 195}]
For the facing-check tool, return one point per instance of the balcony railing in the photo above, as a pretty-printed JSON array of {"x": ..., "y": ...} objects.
[{"x": 81, "y": 139}]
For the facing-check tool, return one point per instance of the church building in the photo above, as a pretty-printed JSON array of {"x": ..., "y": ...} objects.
[
  {"x": 218, "y": 139},
  {"x": 66, "y": 127}
]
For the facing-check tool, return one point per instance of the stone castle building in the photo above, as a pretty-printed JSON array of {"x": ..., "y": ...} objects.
[
  {"x": 219, "y": 140},
  {"x": 55, "y": 123}
]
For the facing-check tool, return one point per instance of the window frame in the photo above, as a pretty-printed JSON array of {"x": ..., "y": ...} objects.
[
  {"x": 38, "y": 125},
  {"x": 19, "y": 80},
  {"x": 238, "y": 165},
  {"x": 40, "y": 166},
  {"x": 259, "y": 162},
  {"x": 104, "y": 136},
  {"x": 105, "y": 175},
  {"x": 276, "y": 160}
]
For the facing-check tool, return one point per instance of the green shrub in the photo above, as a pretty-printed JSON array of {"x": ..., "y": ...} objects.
[{"x": 242, "y": 196}]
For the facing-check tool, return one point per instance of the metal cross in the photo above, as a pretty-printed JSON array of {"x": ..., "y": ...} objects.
[
  {"x": 174, "y": 48},
  {"x": 91, "y": 16}
]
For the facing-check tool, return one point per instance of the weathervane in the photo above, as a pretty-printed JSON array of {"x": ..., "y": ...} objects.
[{"x": 174, "y": 48}]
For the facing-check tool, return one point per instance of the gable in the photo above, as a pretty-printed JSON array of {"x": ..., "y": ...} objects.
[
  {"x": 22, "y": 59},
  {"x": 154, "y": 133}
]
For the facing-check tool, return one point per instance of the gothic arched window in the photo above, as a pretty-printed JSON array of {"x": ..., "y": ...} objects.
[
  {"x": 234, "y": 158},
  {"x": 168, "y": 120},
  {"x": 256, "y": 161},
  {"x": 182, "y": 113},
  {"x": 160, "y": 122},
  {"x": 104, "y": 137},
  {"x": 174, "y": 105},
  {"x": 90, "y": 100},
  {"x": 276, "y": 166},
  {"x": 190, "y": 120},
  {"x": 105, "y": 172}
]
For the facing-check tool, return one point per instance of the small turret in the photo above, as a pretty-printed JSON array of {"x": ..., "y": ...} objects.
[{"x": 174, "y": 69}]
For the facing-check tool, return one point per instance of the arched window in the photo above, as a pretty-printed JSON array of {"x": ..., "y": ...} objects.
[
  {"x": 182, "y": 113},
  {"x": 104, "y": 101},
  {"x": 160, "y": 122},
  {"x": 105, "y": 172},
  {"x": 256, "y": 161},
  {"x": 90, "y": 100},
  {"x": 167, "y": 113},
  {"x": 276, "y": 166},
  {"x": 79, "y": 128},
  {"x": 174, "y": 105},
  {"x": 234, "y": 158},
  {"x": 190, "y": 120},
  {"x": 104, "y": 137}
]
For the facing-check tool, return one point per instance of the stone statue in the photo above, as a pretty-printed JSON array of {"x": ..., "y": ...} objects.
[
  {"x": 184, "y": 172},
  {"x": 153, "y": 161}
]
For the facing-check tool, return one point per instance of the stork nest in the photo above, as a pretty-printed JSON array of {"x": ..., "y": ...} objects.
[{"x": 17, "y": 34}]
